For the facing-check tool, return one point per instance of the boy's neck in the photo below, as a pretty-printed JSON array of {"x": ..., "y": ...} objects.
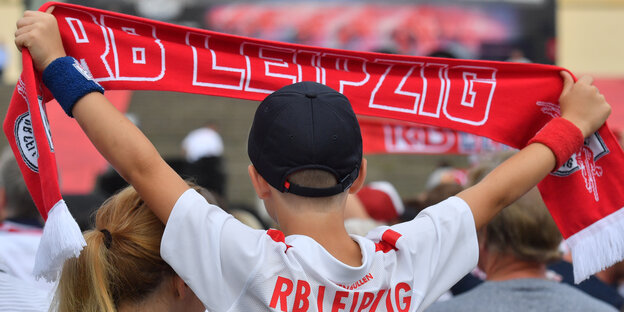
[{"x": 326, "y": 227}]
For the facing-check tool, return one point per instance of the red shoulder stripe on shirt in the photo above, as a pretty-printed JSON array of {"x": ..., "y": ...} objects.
[
  {"x": 278, "y": 236},
  {"x": 388, "y": 241}
]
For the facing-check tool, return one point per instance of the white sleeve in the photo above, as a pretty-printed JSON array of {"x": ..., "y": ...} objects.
[
  {"x": 210, "y": 250},
  {"x": 442, "y": 244}
]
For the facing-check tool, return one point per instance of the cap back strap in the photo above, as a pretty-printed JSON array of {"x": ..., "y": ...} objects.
[{"x": 342, "y": 185}]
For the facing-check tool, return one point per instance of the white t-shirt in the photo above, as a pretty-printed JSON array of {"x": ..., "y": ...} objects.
[{"x": 232, "y": 267}]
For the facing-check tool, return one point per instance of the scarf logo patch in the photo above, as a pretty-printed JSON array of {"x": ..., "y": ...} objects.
[
  {"x": 585, "y": 159},
  {"x": 25, "y": 140}
]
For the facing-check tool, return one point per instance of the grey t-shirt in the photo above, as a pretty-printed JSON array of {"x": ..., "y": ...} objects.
[{"x": 522, "y": 295}]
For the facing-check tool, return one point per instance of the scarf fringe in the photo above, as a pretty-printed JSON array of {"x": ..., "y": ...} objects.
[
  {"x": 598, "y": 246},
  {"x": 60, "y": 241}
]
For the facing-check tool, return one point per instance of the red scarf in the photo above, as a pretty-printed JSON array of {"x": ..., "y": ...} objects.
[
  {"x": 381, "y": 136},
  {"x": 506, "y": 102}
]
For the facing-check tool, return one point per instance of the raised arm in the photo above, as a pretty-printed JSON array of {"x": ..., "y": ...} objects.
[
  {"x": 116, "y": 138},
  {"x": 582, "y": 105}
]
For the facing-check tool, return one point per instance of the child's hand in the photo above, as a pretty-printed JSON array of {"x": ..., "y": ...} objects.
[
  {"x": 38, "y": 32},
  {"x": 582, "y": 104}
]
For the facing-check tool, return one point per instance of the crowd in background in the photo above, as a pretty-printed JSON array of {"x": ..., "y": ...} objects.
[
  {"x": 522, "y": 247},
  {"x": 533, "y": 263}
]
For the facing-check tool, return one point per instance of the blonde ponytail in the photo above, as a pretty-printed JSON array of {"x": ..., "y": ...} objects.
[
  {"x": 83, "y": 285},
  {"x": 123, "y": 264}
]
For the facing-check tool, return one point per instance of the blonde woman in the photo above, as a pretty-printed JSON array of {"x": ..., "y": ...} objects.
[{"x": 120, "y": 269}]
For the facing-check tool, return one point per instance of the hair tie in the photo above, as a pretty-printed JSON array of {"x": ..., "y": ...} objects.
[{"x": 108, "y": 238}]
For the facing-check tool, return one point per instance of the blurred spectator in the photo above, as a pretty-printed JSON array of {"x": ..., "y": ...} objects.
[
  {"x": 17, "y": 205},
  {"x": 121, "y": 269},
  {"x": 484, "y": 164},
  {"x": 601, "y": 286},
  {"x": 515, "y": 248},
  {"x": 517, "y": 56},
  {"x": 381, "y": 201},
  {"x": 438, "y": 193},
  {"x": 202, "y": 142},
  {"x": 203, "y": 150},
  {"x": 445, "y": 173},
  {"x": 357, "y": 220},
  {"x": 110, "y": 182},
  {"x": 560, "y": 270},
  {"x": 377, "y": 203},
  {"x": 613, "y": 276},
  {"x": 20, "y": 231},
  {"x": 441, "y": 192},
  {"x": 11, "y": 207}
]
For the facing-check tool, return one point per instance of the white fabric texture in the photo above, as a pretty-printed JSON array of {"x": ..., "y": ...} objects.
[
  {"x": 588, "y": 254},
  {"x": 18, "y": 295},
  {"x": 61, "y": 240},
  {"x": 231, "y": 267},
  {"x": 18, "y": 247}
]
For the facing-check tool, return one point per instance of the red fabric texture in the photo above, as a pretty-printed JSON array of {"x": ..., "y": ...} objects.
[
  {"x": 506, "y": 102},
  {"x": 278, "y": 236},
  {"x": 388, "y": 241},
  {"x": 28, "y": 132},
  {"x": 562, "y": 137},
  {"x": 382, "y": 136}
]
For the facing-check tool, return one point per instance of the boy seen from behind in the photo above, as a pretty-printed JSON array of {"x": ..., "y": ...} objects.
[{"x": 306, "y": 153}]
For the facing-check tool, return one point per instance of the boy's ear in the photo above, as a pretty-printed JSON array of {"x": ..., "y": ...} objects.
[
  {"x": 261, "y": 186},
  {"x": 359, "y": 181}
]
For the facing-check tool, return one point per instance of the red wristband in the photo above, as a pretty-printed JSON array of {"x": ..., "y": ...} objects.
[{"x": 562, "y": 137}]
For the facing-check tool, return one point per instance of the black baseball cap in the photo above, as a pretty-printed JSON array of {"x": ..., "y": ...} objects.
[{"x": 306, "y": 125}]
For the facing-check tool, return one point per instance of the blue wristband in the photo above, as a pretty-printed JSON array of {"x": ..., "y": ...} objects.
[{"x": 69, "y": 82}]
